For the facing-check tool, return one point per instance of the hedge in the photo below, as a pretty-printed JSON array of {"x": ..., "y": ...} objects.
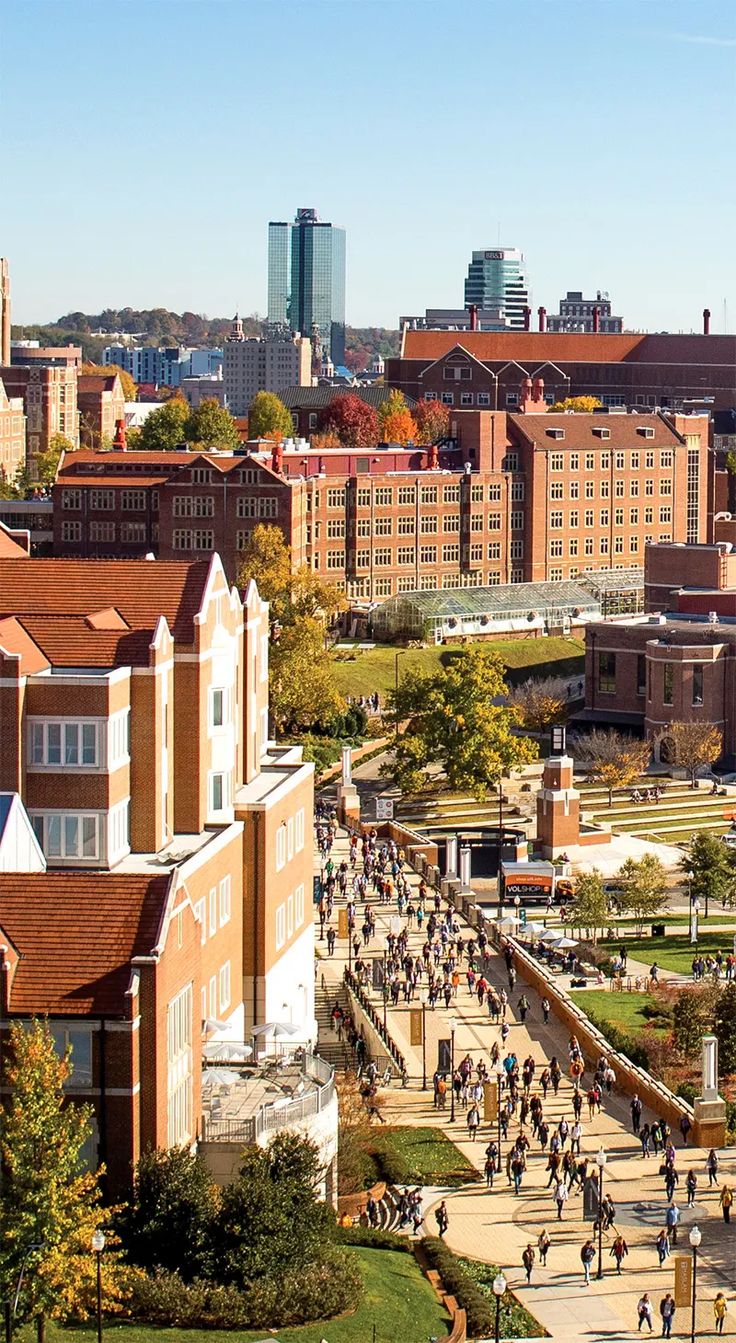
[
  {"x": 372, "y": 1238},
  {"x": 481, "y": 1315}
]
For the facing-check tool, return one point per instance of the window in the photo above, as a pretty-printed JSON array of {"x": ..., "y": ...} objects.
[
  {"x": 299, "y": 830},
  {"x": 363, "y": 498},
  {"x": 634, "y": 489},
  {"x": 555, "y": 575},
  {"x": 556, "y": 490},
  {"x": 193, "y": 506},
  {"x": 179, "y": 1066},
  {"x": 246, "y": 508},
  {"x": 450, "y": 554},
  {"x": 649, "y": 488},
  {"x": 466, "y": 398},
  {"x": 201, "y": 475},
  {"x": 665, "y": 513},
  {"x": 451, "y": 522},
  {"x": 476, "y": 552},
  {"x": 484, "y": 398},
  {"x": 590, "y": 489},
  {"x": 511, "y": 461},
  {"x": 225, "y": 993},
  {"x": 336, "y": 527},
  {"x": 590, "y": 461},
  {"x": 219, "y": 708},
  {"x": 665, "y": 487},
  {"x": 405, "y": 526},
  {"x": 427, "y": 554},
  {"x": 574, "y": 489},
  {"x": 574, "y": 548},
  {"x": 476, "y": 494},
  {"x": 476, "y": 521},
  {"x": 79, "y": 1041},
  {"x": 102, "y": 531},
  {"x": 213, "y": 911},
  {"x": 384, "y": 496},
  {"x": 604, "y": 545},
  {"x": 448, "y": 398},
  {"x": 430, "y": 396},
  {"x": 557, "y": 461},
  {"x": 71, "y": 499},
  {"x": 517, "y": 550},
  {"x": 494, "y": 494},
  {"x": 407, "y": 494},
  {"x": 618, "y": 545},
  {"x": 200, "y": 913},
  {"x": 649, "y": 460},
  {"x": 429, "y": 525},
  {"x": 281, "y": 847},
  {"x": 405, "y": 555},
  {"x": 71, "y": 531},
  {"x": 607, "y": 673},
  {"x": 555, "y": 549},
  {"x": 451, "y": 494},
  {"x": 268, "y": 506},
  {"x": 63, "y": 743},
  {"x": 574, "y": 461},
  {"x": 429, "y": 494},
  {"x": 620, "y": 489},
  {"x": 555, "y": 518},
  {"x": 605, "y": 489},
  {"x": 290, "y": 916},
  {"x": 588, "y": 545},
  {"x": 336, "y": 498},
  {"x": 363, "y": 559},
  {"x": 604, "y": 517},
  {"x": 648, "y": 515},
  {"x": 635, "y": 461},
  {"x": 619, "y": 517},
  {"x": 666, "y": 459},
  {"x": 299, "y": 905},
  {"x": 620, "y": 461},
  {"x": 280, "y": 926},
  {"x": 133, "y": 533},
  {"x": 102, "y": 500},
  {"x": 219, "y": 792},
  {"x": 335, "y": 559},
  {"x": 667, "y": 682},
  {"x": 382, "y": 557},
  {"x": 494, "y": 550},
  {"x": 589, "y": 517},
  {"x": 67, "y": 835},
  {"x": 697, "y": 696}
]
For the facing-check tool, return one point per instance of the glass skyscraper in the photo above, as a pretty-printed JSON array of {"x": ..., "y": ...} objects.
[
  {"x": 497, "y": 279},
  {"x": 306, "y": 279}
]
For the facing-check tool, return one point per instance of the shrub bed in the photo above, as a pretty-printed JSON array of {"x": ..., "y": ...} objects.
[
  {"x": 481, "y": 1315},
  {"x": 371, "y": 1238}
]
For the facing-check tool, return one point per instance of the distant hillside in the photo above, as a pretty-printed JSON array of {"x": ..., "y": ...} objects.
[{"x": 159, "y": 326}]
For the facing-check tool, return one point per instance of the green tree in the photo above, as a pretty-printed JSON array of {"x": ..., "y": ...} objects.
[
  {"x": 690, "y": 1022},
  {"x": 453, "y": 721},
  {"x": 266, "y": 558},
  {"x": 165, "y": 428},
  {"x": 47, "y": 462},
  {"x": 644, "y": 883},
  {"x": 212, "y": 426},
  {"x": 710, "y": 870},
  {"x": 611, "y": 758},
  {"x": 724, "y": 1029},
  {"x": 268, "y": 417},
  {"x": 49, "y": 1205},
  {"x": 302, "y": 690},
  {"x": 589, "y": 907},
  {"x": 169, "y": 1221}
]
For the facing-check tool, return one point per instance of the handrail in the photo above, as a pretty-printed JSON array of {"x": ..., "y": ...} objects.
[
  {"x": 366, "y": 1005},
  {"x": 270, "y": 1118}
]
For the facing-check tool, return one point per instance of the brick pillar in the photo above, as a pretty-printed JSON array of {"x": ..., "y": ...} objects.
[{"x": 558, "y": 807}]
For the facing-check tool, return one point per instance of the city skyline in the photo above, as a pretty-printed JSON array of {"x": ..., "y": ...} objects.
[{"x": 629, "y": 197}]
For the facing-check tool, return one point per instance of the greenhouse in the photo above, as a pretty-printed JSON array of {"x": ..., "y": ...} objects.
[{"x": 460, "y": 613}]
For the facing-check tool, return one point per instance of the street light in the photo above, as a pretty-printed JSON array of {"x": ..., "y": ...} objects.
[
  {"x": 694, "y": 912},
  {"x": 499, "y": 1082},
  {"x": 695, "y": 1238},
  {"x": 499, "y": 1287},
  {"x": 423, "y": 1000},
  {"x": 98, "y": 1245},
  {"x": 453, "y": 1028},
  {"x": 600, "y": 1161}
]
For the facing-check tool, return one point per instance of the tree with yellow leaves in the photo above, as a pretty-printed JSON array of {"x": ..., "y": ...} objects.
[
  {"x": 397, "y": 424},
  {"x": 50, "y": 1206},
  {"x": 694, "y": 744},
  {"x": 580, "y": 405}
]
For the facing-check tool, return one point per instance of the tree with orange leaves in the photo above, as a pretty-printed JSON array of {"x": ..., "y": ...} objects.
[
  {"x": 432, "y": 421},
  {"x": 397, "y": 424}
]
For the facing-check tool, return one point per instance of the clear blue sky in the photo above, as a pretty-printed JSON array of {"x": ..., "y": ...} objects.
[{"x": 146, "y": 145}]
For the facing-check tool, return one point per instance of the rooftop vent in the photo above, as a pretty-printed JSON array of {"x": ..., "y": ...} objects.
[
  {"x": 645, "y": 430},
  {"x": 555, "y": 433},
  {"x": 601, "y": 431}
]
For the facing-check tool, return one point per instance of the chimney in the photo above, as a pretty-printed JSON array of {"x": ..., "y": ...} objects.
[
  {"x": 706, "y": 321},
  {"x": 277, "y": 457},
  {"x": 596, "y": 321},
  {"x": 526, "y": 396},
  {"x": 538, "y": 395},
  {"x": 527, "y": 319},
  {"x": 473, "y": 310},
  {"x": 433, "y": 457},
  {"x": 120, "y": 442},
  {"x": 542, "y": 315}
]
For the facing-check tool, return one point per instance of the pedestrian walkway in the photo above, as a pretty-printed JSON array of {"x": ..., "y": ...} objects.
[{"x": 495, "y": 1226}]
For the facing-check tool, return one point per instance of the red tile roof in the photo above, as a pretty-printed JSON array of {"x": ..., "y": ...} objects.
[
  {"x": 96, "y": 382},
  {"x": 77, "y": 933},
  {"x": 580, "y": 431},
  {"x": 9, "y": 547},
  {"x": 68, "y": 641},
  {"x": 17, "y": 641},
  {"x": 141, "y": 590}
]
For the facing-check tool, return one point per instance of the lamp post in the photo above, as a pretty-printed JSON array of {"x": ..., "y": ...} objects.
[
  {"x": 695, "y": 1238},
  {"x": 499, "y": 1083},
  {"x": 423, "y": 1000},
  {"x": 453, "y": 1027},
  {"x": 98, "y": 1245},
  {"x": 499, "y": 1287},
  {"x": 694, "y": 912},
  {"x": 384, "y": 987},
  {"x": 600, "y": 1161},
  {"x": 398, "y": 655}
]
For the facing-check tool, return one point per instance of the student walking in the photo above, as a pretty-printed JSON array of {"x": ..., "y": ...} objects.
[
  {"x": 619, "y": 1251},
  {"x": 561, "y": 1197},
  {"x": 662, "y": 1246},
  {"x": 473, "y": 1120},
  {"x": 667, "y": 1311},
  {"x": 645, "y": 1312},
  {"x": 543, "y": 1244},
  {"x": 711, "y": 1166},
  {"x": 587, "y": 1255},
  {"x": 720, "y": 1308},
  {"x": 441, "y": 1219},
  {"x": 726, "y": 1201},
  {"x": 545, "y": 1010},
  {"x": 527, "y": 1260}
]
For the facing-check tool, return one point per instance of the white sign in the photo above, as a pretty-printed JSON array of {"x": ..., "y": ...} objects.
[{"x": 384, "y": 809}]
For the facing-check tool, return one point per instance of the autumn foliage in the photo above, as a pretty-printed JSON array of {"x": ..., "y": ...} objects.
[
  {"x": 432, "y": 420},
  {"x": 396, "y": 422},
  {"x": 353, "y": 421}
]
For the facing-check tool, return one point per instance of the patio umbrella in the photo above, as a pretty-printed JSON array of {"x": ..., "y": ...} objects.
[
  {"x": 536, "y": 928},
  {"x": 564, "y": 942},
  {"x": 226, "y": 1049},
  {"x": 276, "y": 1030},
  {"x": 212, "y": 1025},
  {"x": 219, "y": 1077},
  {"x": 508, "y": 921},
  {"x": 551, "y": 935}
]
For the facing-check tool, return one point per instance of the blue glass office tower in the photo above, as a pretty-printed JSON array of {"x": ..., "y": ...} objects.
[
  {"x": 497, "y": 279},
  {"x": 306, "y": 279}
]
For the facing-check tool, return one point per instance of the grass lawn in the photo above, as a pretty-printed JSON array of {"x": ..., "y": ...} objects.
[
  {"x": 375, "y": 669},
  {"x": 420, "y": 1156},
  {"x": 398, "y": 1303},
  {"x": 674, "y": 952},
  {"x": 625, "y": 1010}
]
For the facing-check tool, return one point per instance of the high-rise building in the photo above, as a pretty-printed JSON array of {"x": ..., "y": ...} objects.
[
  {"x": 585, "y": 314},
  {"x": 497, "y": 279},
  {"x": 306, "y": 279},
  {"x": 4, "y": 312},
  {"x": 263, "y": 364}
]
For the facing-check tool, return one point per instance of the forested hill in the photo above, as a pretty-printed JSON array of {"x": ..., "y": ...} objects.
[{"x": 159, "y": 326}]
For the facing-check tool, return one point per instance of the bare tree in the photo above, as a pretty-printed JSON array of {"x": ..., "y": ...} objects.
[
  {"x": 694, "y": 745},
  {"x": 541, "y": 703},
  {"x": 611, "y": 758}
]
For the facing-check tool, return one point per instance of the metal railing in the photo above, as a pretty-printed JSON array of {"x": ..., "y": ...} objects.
[{"x": 282, "y": 1114}]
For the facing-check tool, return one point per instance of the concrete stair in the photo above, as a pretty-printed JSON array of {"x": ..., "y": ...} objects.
[{"x": 334, "y": 1051}]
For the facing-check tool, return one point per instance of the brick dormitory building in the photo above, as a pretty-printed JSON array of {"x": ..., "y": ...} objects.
[
  {"x": 155, "y": 856},
  {"x": 515, "y": 497}
]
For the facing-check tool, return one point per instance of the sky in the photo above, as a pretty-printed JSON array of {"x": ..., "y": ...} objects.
[{"x": 147, "y": 143}]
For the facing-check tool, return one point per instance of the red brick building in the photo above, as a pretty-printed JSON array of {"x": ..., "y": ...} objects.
[
  {"x": 483, "y": 369},
  {"x": 46, "y": 381},
  {"x": 101, "y": 403}
]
